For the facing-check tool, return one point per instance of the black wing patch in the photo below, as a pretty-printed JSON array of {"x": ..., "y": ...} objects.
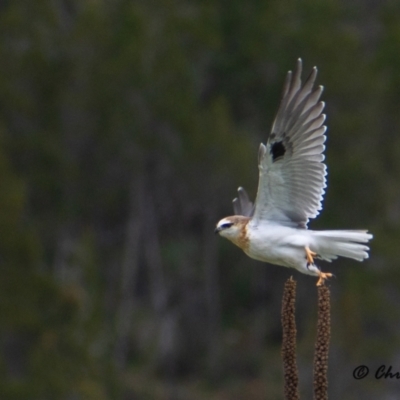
[{"x": 278, "y": 150}]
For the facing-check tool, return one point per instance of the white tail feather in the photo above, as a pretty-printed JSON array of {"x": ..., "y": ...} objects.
[{"x": 331, "y": 244}]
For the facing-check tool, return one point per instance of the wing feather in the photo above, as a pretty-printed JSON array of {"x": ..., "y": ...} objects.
[
  {"x": 291, "y": 173},
  {"x": 242, "y": 204}
]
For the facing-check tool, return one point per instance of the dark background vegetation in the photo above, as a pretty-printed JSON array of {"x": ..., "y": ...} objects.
[{"x": 125, "y": 129}]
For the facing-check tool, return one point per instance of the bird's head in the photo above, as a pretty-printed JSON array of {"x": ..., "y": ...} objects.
[{"x": 232, "y": 228}]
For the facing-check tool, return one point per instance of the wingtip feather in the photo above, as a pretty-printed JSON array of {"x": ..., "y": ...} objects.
[{"x": 261, "y": 152}]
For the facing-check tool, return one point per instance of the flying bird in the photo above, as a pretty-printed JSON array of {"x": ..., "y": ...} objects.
[{"x": 292, "y": 179}]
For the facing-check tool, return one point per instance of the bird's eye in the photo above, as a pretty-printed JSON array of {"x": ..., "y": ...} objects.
[{"x": 226, "y": 225}]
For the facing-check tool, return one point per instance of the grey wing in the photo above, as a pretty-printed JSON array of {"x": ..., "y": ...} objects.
[
  {"x": 242, "y": 204},
  {"x": 291, "y": 172}
]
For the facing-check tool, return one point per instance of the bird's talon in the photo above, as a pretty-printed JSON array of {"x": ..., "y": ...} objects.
[
  {"x": 322, "y": 277},
  {"x": 309, "y": 255}
]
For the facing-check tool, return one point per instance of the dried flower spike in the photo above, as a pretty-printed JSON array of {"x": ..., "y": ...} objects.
[
  {"x": 322, "y": 344},
  {"x": 291, "y": 379}
]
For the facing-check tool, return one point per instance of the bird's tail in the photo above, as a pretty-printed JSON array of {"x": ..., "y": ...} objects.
[{"x": 331, "y": 244}]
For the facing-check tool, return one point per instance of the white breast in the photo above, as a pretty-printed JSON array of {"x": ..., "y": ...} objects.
[{"x": 277, "y": 244}]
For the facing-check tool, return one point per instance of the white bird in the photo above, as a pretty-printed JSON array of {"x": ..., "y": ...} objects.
[{"x": 290, "y": 190}]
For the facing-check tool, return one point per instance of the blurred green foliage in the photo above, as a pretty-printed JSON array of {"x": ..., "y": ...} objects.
[{"x": 125, "y": 128}]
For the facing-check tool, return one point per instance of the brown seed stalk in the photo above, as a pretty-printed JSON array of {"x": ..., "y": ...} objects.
[
  {"x": 322, "y": 344},
  {"x": 291, "y": 379}
]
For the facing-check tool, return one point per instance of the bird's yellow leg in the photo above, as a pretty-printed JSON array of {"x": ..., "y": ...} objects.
[
  {"x": 322, "y": 277},
  {"x": 310, "y": 261},
  {"x": 310, "y": 255}
]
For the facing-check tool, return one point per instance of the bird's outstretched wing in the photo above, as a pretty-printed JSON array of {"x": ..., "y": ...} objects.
[
  {"x": 291, "y": 172},
  {"x": 242, "y": 204}
]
